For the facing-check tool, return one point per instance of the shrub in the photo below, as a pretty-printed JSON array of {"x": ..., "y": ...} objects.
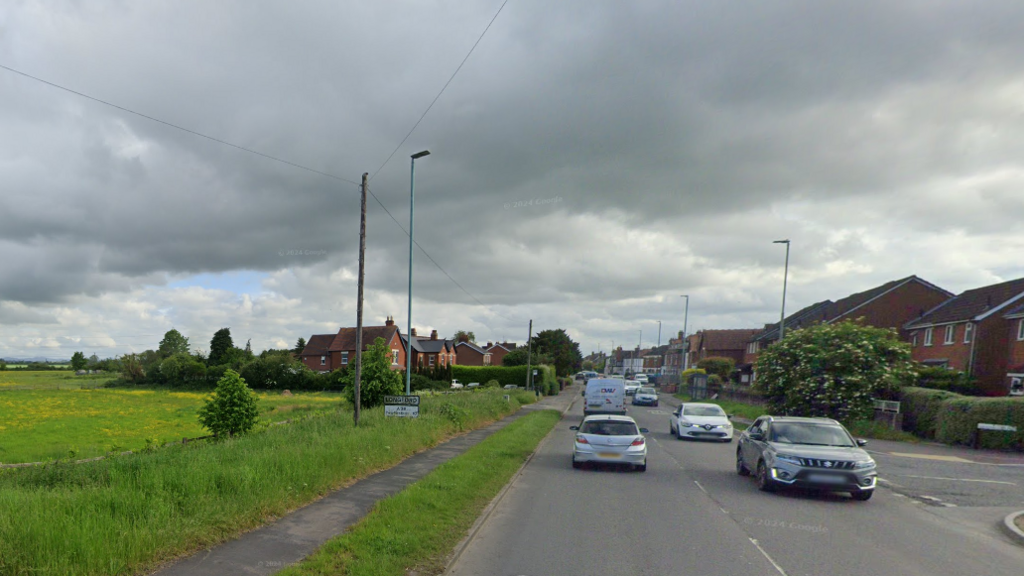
[
  {"x": 492, "y": 384},
  {"x": 959, "y": 416},
  {"x": 422, "y": 382},
  {"x": 181, "y": 370},
  {"x": 503, "y": 374},
  {"x": 832, "y": 370},
  {"x": 718, "y": 365},
  {"x": 377, "y": 379},
  {"x": 938, "y": 378},
  {"x": 920, "y": 408},
  {"x": 232, "y": 409},
  {"x": 684, "y": 376}
]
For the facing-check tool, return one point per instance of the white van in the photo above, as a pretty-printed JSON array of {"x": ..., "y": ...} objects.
[{"x": 604, "y": 396}]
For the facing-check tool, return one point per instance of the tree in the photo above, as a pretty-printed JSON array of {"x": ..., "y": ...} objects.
[
  {"x": 248, "y": 348},
  {"x": 131, "y": 369},
  {"x": 173, "y": 343},
  {"x": 93, "y": 361},
  {"x": 557, "y": 345},
  {"x": 3, "y": 365},
  {"x": 233, "y": 408},
  {"x": 719, "y": 365},
  {"x": 832, "y": 370},
  {"x": 182, "y": 370},
  {"x": 588, "y": 365},
  {"x": 460, "y": 333},
  {"x": 78, "y": 361},
  {"x": 377, "y": 378},
  {"x": 300, "y": 345},
  {"x": 220, "y": 344}
]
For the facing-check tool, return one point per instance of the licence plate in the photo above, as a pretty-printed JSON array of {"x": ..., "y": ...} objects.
[
  {"x": 609, "y": 454},
  {"x": 826, "y": 478}
]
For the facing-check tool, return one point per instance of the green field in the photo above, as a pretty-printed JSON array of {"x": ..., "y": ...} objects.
[
  {"x": 50, "y": 380},
  {"x": 51, "y": 420}
]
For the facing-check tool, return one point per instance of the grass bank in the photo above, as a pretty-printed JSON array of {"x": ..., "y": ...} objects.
[
  {"x": 418, "y": 528},
  {"x": 124, "y": 514},
  {"x": 48, "y": 424}
]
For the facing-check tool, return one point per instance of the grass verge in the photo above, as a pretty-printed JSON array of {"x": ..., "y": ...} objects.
[
  {"x": 124, "y": 514},
  {"x": 418, "y": 528}
]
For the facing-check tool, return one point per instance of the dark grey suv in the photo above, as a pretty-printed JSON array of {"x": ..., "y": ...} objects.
[{"x": 817, "y": 453}]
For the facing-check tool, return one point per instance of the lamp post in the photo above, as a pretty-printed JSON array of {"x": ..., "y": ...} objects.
[
  {"x": 408, "y": 334},
  {"x": 686, "y": 316},
  {"x": 785, "y": 278}
]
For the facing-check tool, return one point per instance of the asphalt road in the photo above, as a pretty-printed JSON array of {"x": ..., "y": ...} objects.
[{"x": 691, "y": 514}]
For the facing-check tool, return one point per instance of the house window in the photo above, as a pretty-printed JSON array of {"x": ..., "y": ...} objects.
[
  {"x": 950, "y": 333},
  {"x": 913, "y": 340},
  {"x": 394, "y": 357},
  {"x": 451, "y": 358},
  {"x": 323, "y": 360},
  {"x": 1020, "y": 329},
  {"x": 344, "y": 358},
  {"x": 968, "y": 329},
  {"x": 487, "y": 359},
  {"x": 928, "y": 336},
  {"x": 431, "y": 360}
]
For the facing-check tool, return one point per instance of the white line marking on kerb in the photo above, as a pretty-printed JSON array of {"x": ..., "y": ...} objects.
[{"x": 777, "y": 567}]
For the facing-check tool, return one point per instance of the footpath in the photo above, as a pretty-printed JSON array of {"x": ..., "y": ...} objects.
[
  {"x": 291, "y": 538},
  {"x": 1012, "y": 524}
]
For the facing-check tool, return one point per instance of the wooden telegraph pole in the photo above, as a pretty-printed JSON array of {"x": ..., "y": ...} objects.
[{"x": 359, "y": 297}]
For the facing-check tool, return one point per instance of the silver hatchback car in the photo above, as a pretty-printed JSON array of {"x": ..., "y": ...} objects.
[{"x": 610, "y": 439}]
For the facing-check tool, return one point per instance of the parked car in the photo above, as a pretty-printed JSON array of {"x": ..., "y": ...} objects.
[
  {"x": 642, "y": 379},
  {"x": 456, "y": 384},
  {"x": 610, "y": 439},
  {"x": 645, "y": 397},
  {"x": 511, "y": 387},
  {"x": 604, "y": 396},
  {"x": 816, "y": 453},
  {"x": 473, "y": 385},
  {"x": 699, "y": 420},
  {"x": 631, "y": 387},
  {"x": 581, "y": 376}
]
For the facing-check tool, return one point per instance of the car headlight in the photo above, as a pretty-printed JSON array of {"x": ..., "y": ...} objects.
[
  {"x": 686, "y": 424},
  {"x": 789, "y": 459},
  {"x": 862, "y": 464}
]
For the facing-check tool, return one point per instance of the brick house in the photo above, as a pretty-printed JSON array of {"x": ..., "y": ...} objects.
[
  {"x": 471, "y": 354},
  {"x": 1015, "y": 371},
  {"x": 654, "y": 359},
  {"x": 975, "y": 332},
  {"x": 326, "y": 352},
  {"x": 673, "y": 358},
  {"x": 890, "y": 305},
  {"x": 431, "y": 352},
  {"x": 498, "y": 351},
  {"x": 722, "y": 343}
]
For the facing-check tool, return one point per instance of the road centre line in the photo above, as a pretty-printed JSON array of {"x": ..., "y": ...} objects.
[{"x": 777, "y": 567}]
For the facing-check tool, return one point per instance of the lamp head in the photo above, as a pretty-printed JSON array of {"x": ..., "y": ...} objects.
[
  {"x": 780, "y": 242},
  {"x": 421, "y": 154}
]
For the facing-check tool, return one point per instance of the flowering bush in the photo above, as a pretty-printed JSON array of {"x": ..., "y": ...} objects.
[{"x": 833, "y": 370}]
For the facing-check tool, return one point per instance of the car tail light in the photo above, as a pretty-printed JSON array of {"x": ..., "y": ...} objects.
[
  {"x": 638, "y": 442},
  {"x": 582, "y": 440}
]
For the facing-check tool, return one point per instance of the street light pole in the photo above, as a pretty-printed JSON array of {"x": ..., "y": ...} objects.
[
  {"x": 686, "y": 316},
  {"x": 408, "y": 334},
  {"x": 785, "y": 278}
]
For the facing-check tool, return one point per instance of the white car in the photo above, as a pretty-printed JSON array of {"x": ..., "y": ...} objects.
[
  {"x": 646, "y": 396},
  {"x": 456, "y": 384},
  {"x": 631, "y": 387},
  {"x": 642, "y": 379},
  {"x": 705, "y": 421},
  {"x": 610, "y": 439}
]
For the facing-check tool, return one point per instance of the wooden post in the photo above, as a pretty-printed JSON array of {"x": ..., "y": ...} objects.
[{"x": 359, "y": 297}]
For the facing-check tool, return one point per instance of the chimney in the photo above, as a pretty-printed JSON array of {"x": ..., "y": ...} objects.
[
  {"x": 463, "y": 338},
  {"x": 489, "y": 344},
  {"x": 413, "y": 333},
  {"x": 390, "y": 321},
  {"x": 433, "y": 334}
]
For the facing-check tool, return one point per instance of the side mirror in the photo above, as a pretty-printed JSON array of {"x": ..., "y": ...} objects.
[
  {"x": 757, "y": 435},
  {"x": 729, "y": 416},
  {"x": 645, "y": 431},
  {"x": 862, "y": 442},
  {"x": 574, "y": 427}
]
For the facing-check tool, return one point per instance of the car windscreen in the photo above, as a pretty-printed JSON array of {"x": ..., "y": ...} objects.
[
  {"x": 703, "y": 411},
  {"x": 609, "y": 428},
  {"x": 810, "y": 433},
  {"x": 647, "y": 391}
]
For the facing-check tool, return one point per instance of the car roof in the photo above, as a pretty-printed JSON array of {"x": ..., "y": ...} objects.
[
  {"x": 615, "y": 417},
  {"x": 801, "y": 419},
  {"x": 699, "y": 404}
]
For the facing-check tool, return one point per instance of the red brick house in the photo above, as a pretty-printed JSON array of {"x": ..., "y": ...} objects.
[
  {"x": 673, "y": 358},
  {"x": 722, "y": 343},
  {"x": 498, "y": 351},
  {"x": 1015, "y": 371},
  {"x": 431, "y": 352},
  {"x": 326, "y": 352},
  {"x": 975, "y": 332},
  {"x": 471, "y": 354},
  {"x": 890, "y": 305}
]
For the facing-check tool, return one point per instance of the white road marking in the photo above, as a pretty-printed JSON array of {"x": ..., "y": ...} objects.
[
  {"x": 956, "y": 479},
  {"x": 701, "y": 487},
  {"x": 777, "y": 567}
]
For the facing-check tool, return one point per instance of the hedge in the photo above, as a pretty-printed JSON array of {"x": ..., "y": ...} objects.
[
  {"x": 953, "y": 419},
  {"x": 544, "y": 380}
]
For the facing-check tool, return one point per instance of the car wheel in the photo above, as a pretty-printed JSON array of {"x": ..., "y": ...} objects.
[
  {"x": 741, "y": 468},
  {"x": 642, "y": 467},
  {"x": 764, "y": 483},
  {"x": 576, "y": 465},
  {"x": 655, "y": 404},
  {"x": 679, "y": 433},
  {"x": 862, "y": 496}
]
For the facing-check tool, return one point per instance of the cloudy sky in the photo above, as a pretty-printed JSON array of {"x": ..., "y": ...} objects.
[{"x": 591, "y": 161}]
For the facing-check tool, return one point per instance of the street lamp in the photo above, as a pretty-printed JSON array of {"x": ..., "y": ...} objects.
[
  {"x": 408, "y": 334},
  {"x": 686, "y": 316},
  {"x": 785, "y": 278}
]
